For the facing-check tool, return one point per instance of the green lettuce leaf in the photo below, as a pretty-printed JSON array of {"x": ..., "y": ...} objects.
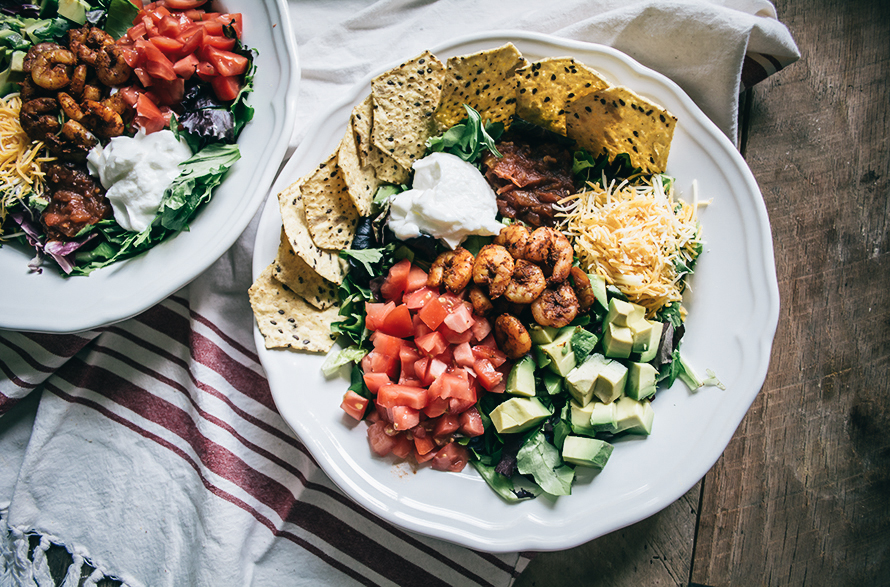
[{"x": 541, "y": 460}]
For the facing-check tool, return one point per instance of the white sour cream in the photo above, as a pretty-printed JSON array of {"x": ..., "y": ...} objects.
[
  {"x": 450, "y": 200},
  {"x": 135, "y": 172}
]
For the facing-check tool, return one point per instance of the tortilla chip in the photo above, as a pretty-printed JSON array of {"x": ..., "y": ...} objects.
[
  {"x": 330, "y": 214},
  {"x": 286, "y": 320},
  {"x": 291, "y": 270},
  {"x": 361, "y": 181},
  {"x": 545, "y": 88},
  {"x": 405, "y": 99},
  {"x": 483, "y": 80},
  {"x": 388, "y": 169},
  {"x": 616, "y": 120},
  {"x": 362, "y": 116},
  {"x": 327, "y": 264}
]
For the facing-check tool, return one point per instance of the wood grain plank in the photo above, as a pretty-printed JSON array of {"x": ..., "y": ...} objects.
[{"x": 800, "y": 497}]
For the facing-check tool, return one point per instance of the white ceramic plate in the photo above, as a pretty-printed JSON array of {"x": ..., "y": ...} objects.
[
  {"x": 48, "y": 302},
  {"x": 733, "y": 312}
]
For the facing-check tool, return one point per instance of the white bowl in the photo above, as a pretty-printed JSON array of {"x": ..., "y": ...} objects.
[
  {"x": 48, "y": 302},
  {"x": 733, "y": 313}
]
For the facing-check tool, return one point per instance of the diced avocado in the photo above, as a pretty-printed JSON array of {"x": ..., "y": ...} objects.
[
  {"x": 518, "y": 414},
  {"x": 521, "y": 380},
  {"x": 618, "y": 341},
  {"x": 633, "y": 416},
  {"x": 552, "y": 382},
  {"x": 18, "y": 61},
  {"x": 586, "y": 452},
  {"x": 75, "y": 10},
  {"x": 603, "y": 417},
  {"x": 581, "y": 418},
  {"x": 583, "y": 342},
  {"x": 652, "y": 346},
  {"x": 543, "y": 334},
  {"x": 641, "y": 331},
  {"x": 611, "y": 381},
  {"x": 541, "y": 358},
  {"x": 598, "y": 283},
  {"x": 562, "y": 359},
  {"x": 582, "y": 379},
  {"x": 623, "y": 313},
  {"x": 641, "y": 379}
]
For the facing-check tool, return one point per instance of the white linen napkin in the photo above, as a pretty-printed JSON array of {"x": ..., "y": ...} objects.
[{"x": 156, "y": 455}]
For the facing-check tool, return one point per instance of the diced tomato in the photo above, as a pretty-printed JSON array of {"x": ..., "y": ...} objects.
[
  {"x": 386, "y": 344},
  {"x": 402, "y": 447},
  {"x": 235, "y": 20},
  {"x": 493, "y": 355},
  {"x": 450, "y": 301},
  {"x": 463, "y": 355},
  {"x": 196, "y": 14},
  {"x": 167, "y": 45},
  {"x": 404, "y": 418},
  {"x": 168, "y": 93},
  {"x": 422, "y": 458},
  {"x": 432, "y": 344},
  {"x": 394, "y": 285},
  {"x": 481, "y": 328},
  {"x": 446, "y": 424},
  {"x": 446, "y": 356},
  {"x": 221, "y": 43},
  {"x": 136, "y": 32},
  {"x": 381, "y": 443},
  {"x": 437, "y": 367},
  {"x": 423, "y": 445},
  {"x": 354, "y": 404},
  {"x": 226, "y": 88},
  {"x": 460, "y": 319},
  {"x": 375, "y": 313},
  {"x": 192, "y": 38},
  {"x": 156, "y": 63},
  {"x": 471, "y": 423},
  {"x": 391, "y": 394},
  {"x": 489, "y": 341},
  {"x": 186, "y": 67},
  {"x": 417, "y": 278},
  {"x": 458, "y": 406},
  {"x": 375, "y": 381},
  {"x": 383, "y": 413},
  {"x": 184, "y": 4},
  {"x": 173, "y": 25},
  {"x": 398, "y": 322},
  {"x": 409, "y": 355},
  {"x": 130, "y": 95},
  {"x": 436, "y": 407},
  {"x": 212, "y": 27},
  {"x": 422, "y": 371},
  {"x": 144, "y": 78},
  {"x": 420, "y": 329},
  {"x": 500, "y": 387},
  {"x": 451, "y": 457},
  {"x": 148, "y": 116},
  {"x": 418, "y": 298},
  {"x": 206, "y": 71},
  {"x": 450, "y": 384},
  {"x": 375, "y": 362},
  {"x": 433, "y": 313},
  {"x": 486, "y": 374},
  {"x": 455, "y": 337}
]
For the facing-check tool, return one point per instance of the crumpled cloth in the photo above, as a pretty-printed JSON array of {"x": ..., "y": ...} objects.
[{"x": 151, "y": 449}]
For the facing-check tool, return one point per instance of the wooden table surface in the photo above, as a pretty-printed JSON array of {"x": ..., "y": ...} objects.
[{"x": 802, "y": 494}]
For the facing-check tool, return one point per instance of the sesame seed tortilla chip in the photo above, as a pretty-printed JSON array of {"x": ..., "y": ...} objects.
[
  {"x": 545, "y": 88},
  {"x": 327, "y": 264},
  {"x": 362, "y": 117},
  {"x": 404, "y": 101},
  {"x": 330, "y": 214},
  {"x": 617, "y": 120},
  {"x": 484, "y": 81},
  {"x": 286, "y": 320},
  {"x": 291, "y": 270},
  {"x": 388, "y": 169},
  {"x": 361, "y": 181}
]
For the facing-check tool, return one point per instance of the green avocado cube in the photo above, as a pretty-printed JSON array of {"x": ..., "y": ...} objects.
[
  {"x": 603, "y": 417},
  {"x": 618, "y": 341},
  {"x": 582, "y": 379},
  {"x": 580, "y": 418},
  {"x": 552, "y": 382},
  {"x": 542, "y": 334},
  {"x": 641, "y": 380},
  {"x": 586, "y": 452},
  {"x": 521, "y": 380},
  {"x": 641, "y": 331},
  {"x": 623, "y": 313},
  {"x": 518, "y": 414},
  {"x": 562, "y": 359},
  {"x": 652, "y": 345},
  {"x": 598, "y": 283},
  {"x": 610, "y": 382},
  {"x": 634, "y": 416},
  {"x": 75, "y": 10}
]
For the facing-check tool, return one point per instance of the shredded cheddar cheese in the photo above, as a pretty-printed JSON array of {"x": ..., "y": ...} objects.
[
  {"x": 20, "y": 159},
  {"x": 637, "y": 237}
]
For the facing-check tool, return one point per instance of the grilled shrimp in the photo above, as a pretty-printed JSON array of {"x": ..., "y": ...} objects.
[
  {"x": 493, "y": 268},
  {"x": 34, "y": 52},
  {"x": 78, "y": 80},
  {"x": 87, "y": 42},
  {"x": 553, "y": 251},
  {"x": 556, "y": 307},
  {"x": 583, "y": 289},
  {"x": 511, "y": 336},
  {"x": 481, "y": 302},
  {"x": 73, "y": 143},
  {"x": 454, "y": 269},
  {"x": 111, "y": 68},
  {"x": 51, "y": 69},
  {"x": 38, "y": 118},
  {"x": 91, "y": 93},
  {"x": 70, "y": 106},
  {"x": 102, "y": 120},
  {"x": 514, "y": 238},
  {"x": 527, "y": 283}
]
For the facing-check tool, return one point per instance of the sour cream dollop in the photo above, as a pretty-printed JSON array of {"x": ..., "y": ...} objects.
[
  {"x": 135, "y": 172},
  {"x": 450, "y": 200}
]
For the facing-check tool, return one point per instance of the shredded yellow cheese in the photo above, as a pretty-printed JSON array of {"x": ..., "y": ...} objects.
[
  {"x": 20, "y": 159},
  {"x": 633, "y": 235}
]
